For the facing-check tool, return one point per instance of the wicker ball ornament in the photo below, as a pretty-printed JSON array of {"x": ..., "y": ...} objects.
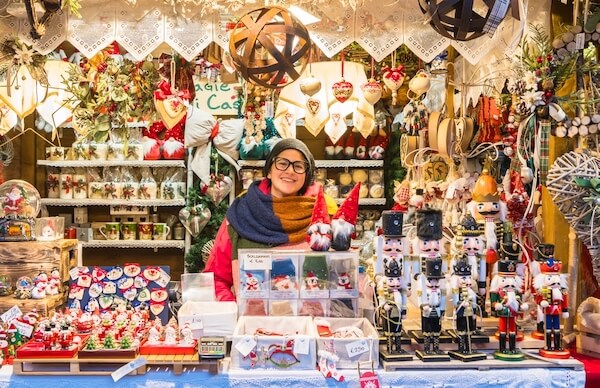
[
  {"x": 267, "y": 45},
  {"x": 457, "y": 20}
]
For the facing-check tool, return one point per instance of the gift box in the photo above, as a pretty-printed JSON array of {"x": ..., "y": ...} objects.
[
  {"x": 350, "y": 350},
  {"x": 216, "y": 318},
  {"x": 274, "y": 343}
]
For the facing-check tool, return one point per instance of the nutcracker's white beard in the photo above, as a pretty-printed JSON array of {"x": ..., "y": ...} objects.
[
  {"x": 491, "y": 241},
  {"x": 511, "y": 301},
  {"x": 557, "y": 294},
  {"x": 434, "y": 299}
]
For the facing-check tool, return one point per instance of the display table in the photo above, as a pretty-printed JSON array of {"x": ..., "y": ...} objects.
[{"x": 508, "y": 377}]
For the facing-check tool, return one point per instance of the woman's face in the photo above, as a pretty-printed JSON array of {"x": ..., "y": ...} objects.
[{"x": 287, "y": 183}]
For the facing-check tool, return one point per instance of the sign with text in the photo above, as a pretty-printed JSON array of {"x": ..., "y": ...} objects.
[
  {"x": 256, "y": 260},
  {"x": 216, "y": 98}
]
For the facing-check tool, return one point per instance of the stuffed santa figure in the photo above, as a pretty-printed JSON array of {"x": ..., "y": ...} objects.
[
  {"x": 344, "y": 221},
  {"x": 319, "y": 231}
]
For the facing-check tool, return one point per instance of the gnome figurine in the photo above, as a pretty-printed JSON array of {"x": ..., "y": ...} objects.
[
  {"x": 319, "y": 231},
  {"x": 344, "y": 221}
]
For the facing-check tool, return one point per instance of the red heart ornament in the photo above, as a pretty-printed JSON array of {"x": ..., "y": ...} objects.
[{"x": 342, "y": 90}]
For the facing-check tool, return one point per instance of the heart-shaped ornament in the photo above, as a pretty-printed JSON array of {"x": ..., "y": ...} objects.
[
  {"x": 143, "y": 295},
  {"x": 342, "y": 90},
  {"x": 194, "y": 219},
  {"x": 313, "y": 105},
  {"x": 372, "y": 91},
  {"x": 393, "y": 79},
  {"x": 218, "y": 188},
  {"x": 171, "y": 110},
  {"x": 105, "y": 301},
  {"x": 310, "y": 86},
  {"x": 577, "y": 196}
]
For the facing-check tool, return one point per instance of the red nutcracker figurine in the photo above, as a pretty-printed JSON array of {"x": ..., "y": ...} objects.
[
  {"x": 505, "y": 295},
  {"x": 552, "y": 297}
]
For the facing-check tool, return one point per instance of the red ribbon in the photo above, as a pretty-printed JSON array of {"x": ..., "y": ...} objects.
[
  {"x": 214, "y": 131},
  {"x": 394, "y": 73},
  {"x": 164, "y": 91}
]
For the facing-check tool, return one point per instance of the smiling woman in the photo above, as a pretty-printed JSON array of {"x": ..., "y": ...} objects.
[{"x": 275, "y": 211}]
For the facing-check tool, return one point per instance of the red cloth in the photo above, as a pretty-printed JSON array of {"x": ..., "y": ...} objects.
[{"x": 592, "y": 368}]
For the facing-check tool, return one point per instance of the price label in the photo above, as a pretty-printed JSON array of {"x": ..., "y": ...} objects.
[
  {"x": 357, "y": 348},
  {"x": 261, "y": 261},
  {"x": 74, "y": 273},
  {"x": 580, "y": 41},
  {"x": 245, "y": 345},
  {"x": 163, "y": 279},
  {"x": 128, "y": 368},
  {"x": 12, "y": 313},
  {"x": 24, "y": 328},
  {"x": 301, "y": 344}
]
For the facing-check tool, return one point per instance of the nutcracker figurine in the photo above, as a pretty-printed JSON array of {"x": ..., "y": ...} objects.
[
  {"x": 489, "y": 209},
  {"x": 542, "y": 253},
  {"x": 429, "y": 236},
  {"x": 551, "y": 296},
  {"x": 505, "y": 295},
  {"x": 469, "y": 236},
  {"x": 464, "y": 300},
  {"x": 393, "y": 287},
  {"x": 432, "y": 301}
]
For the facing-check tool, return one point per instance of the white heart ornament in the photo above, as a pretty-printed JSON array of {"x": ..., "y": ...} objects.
[
  {"x": 218, "y": 190},
  {"x": 195, "y": 219},
  {"x": 310, "y": 86},
  {"x": 372, "y": 91}
]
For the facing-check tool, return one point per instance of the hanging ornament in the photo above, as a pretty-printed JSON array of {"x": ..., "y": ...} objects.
[
  {"x": 393, "y": 77},
  {"x": 310, "y": 86},
  {"x": 372, "y": 90},
  {"x": 194, "y": 218},
  {"x": 218, "y": 188},
  {"x": 343, "y": 89}
]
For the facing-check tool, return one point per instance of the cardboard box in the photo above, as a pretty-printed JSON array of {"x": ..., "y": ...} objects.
[
  {"x": 351, "y": 350},
  {"x": 288, "y": 343},
  {"x": 216, "y": 318}
]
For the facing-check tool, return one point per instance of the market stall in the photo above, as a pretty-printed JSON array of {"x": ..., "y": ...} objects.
[{"x": 306, "y": 193}]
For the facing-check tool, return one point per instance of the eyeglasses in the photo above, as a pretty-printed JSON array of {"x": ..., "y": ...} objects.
[{"x": 282, "y": 164}]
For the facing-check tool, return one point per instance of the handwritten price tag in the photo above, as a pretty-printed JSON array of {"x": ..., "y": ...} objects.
[
  {"x": 74, "y": 273},
  {"x": 301, "y": 344},
  {"x": 12, "y": 313},
  {"x": 246, "y": 345},
  {"x": 259, "y": 261},
  {"x": 23, "y": 328},
  {"x": 357, "y": 348}
]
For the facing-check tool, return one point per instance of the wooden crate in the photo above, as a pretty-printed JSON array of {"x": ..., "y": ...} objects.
[
  {"x": 69, "y": 366},
  {"x": 45, "y": 307},
  {"x": 28, "y": 258}
]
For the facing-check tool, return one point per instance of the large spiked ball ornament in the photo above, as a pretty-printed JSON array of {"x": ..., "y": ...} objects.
[
  {"x": 461, "y": 20},
  {"x": 269, "y": 47}
]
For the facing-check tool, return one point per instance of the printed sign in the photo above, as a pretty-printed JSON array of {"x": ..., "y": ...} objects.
[{"x": 216, "y": 98}]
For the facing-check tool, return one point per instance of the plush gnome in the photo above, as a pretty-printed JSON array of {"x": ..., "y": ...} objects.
[
  {"x": 319, "y": 231},
  {"x": 344, "y": 221}
]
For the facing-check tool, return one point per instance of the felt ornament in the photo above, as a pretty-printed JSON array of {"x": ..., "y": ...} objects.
[
  {"x": 319, "y": 230},
  {"x": 170, "y": 103},
  {"x": 316, "y": 114}
]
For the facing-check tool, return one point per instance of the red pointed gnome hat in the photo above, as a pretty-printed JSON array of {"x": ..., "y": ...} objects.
[
  {"x": 319, "y": 214},
  {"x": 348, "y": 210}
]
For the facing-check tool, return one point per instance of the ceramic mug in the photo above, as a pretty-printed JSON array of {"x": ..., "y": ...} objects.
[
  {"x": 160, "y": 231},
  {"x": 111, "y": 230},
  {"x": 145, "y": 230},
  {"x": 129, "y": 230}
]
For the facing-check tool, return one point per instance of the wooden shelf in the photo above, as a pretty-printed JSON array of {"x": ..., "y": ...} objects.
[
  {"x": 112, "y": 163},
  {"x": 152, "y": 244},
  {"x": 112, "y": 202}
]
